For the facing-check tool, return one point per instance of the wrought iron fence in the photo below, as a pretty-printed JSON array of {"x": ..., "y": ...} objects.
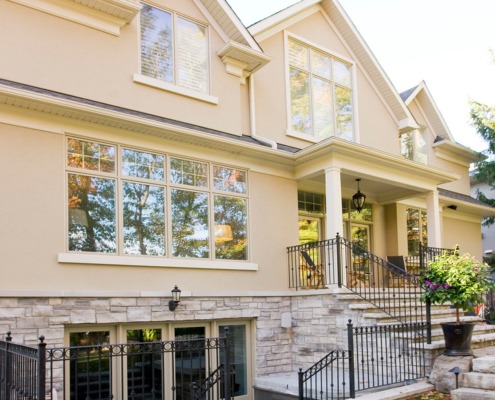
[
  {"x": 387, "y": 354},
  {"x": 189, "y": 369},
  {"x": 22, "y": 370},
  {"x": 329, "y": 378},
  {"x": 377, "y": 356}
]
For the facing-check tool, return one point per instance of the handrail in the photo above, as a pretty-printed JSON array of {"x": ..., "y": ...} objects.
[{"x": 338, "y": 261}]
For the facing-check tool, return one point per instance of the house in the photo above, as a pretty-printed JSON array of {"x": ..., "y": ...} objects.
[{"x": 148, "y": 145}]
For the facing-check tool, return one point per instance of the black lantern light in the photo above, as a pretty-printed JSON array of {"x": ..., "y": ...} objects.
[
  {"x": 172, "y": 304},
  {"x": 358, "y": 198}
]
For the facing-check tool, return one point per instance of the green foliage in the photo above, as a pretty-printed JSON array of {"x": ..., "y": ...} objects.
[
  {"x": 458, "y": 279},
  {"x": 483, "y": 119}
]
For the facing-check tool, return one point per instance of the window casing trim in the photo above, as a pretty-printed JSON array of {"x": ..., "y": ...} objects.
[
  {"x": 173, "y": 87},
  {"x": 159, "y": 262},
  {"x": 120, "y": 178},
  {"x": 353, "y": 88}
]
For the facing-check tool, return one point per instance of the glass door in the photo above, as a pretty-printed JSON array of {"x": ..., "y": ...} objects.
[
  {"x": 360, "y": 238},
  {"x": 309, "y": 230},
  {"x": 190, "y": 360}
]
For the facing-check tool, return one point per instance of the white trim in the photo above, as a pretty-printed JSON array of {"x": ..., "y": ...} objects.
[
  {"x": 335, "y": 57},
  {"x": 170, "y": 87},
  {"x": 98, "y": 14},
  {"x": 143, "y": 261},
  {"x": 303, "y": 136}
]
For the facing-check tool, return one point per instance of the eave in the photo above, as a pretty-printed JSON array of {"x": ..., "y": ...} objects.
[
  {"x": 105, "y": 15},
  {"x": 58, "y": 105}
]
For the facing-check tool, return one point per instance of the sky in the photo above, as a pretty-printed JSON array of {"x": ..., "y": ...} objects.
[{"x": 445, "y": 43}]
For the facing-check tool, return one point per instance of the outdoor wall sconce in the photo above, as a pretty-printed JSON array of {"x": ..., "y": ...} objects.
[
  {"x": 172, "y": 304},
  {"x": 358, "y": 198}
]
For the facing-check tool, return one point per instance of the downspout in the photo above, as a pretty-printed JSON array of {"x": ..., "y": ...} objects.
[{"x": 252, "y": 117}]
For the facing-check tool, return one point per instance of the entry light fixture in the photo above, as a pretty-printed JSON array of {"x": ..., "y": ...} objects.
[
  {"x": 358, "y": 198},
  {"x": 172, "y": 304}
]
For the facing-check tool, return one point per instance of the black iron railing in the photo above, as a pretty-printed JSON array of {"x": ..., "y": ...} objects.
[
  {"x": 376, "y": 356},
  {"x": 182, "y": 369},
  {"x": 390, "y": 287},
  {"x": 329, "y": 378},
  {"x": 22, "y": 370},
  {"x": 387, "y": 354}
]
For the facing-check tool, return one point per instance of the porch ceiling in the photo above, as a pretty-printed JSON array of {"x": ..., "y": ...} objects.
[{"x": 375, "y": 190}]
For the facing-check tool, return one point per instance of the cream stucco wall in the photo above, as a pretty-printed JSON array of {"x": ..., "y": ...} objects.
[
  {"x": 67, "y": 57},
  {"x": 33, "y": 229},
  {"x": 464, "y": 231}
]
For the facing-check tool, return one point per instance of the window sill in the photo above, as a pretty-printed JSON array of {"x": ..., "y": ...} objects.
[
  {"x": 169, "y": 87},
  {"x": 140, "y": 261},
  {"x": 302, "y": 136}
]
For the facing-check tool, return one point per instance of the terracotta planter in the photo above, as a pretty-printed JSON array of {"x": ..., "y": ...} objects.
[{"x": 458, "y": 338}]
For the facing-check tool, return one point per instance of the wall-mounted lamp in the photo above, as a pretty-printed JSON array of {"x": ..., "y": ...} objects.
[
  {"x": 172, "y": 304},
  {"x": 358, "y": 198}
]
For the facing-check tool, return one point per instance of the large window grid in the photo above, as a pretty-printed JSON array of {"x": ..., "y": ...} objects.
[
  {"x": 174, "y": 49},
  {"x": 145, "y": 203},
  {"x": 320, "y": 93}
]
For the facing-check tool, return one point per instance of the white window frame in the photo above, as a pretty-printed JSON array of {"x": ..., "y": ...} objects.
[
  {"x": 119, "y": 258},
  {"x": 419, "y": 134},
  {"x": 173, "y": 87},
  {"x": 288, "y": 36}
]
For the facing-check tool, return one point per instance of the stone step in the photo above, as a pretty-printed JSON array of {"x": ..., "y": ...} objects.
[
  {"x": 485, "y": 364},
  {"x": 478, "y": 380},
  {"x": 472, "y": 394},
  {"x": 477, "y": 341}
]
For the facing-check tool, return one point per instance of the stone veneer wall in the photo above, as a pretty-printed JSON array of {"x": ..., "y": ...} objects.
[{"x": 318, "y": 321}]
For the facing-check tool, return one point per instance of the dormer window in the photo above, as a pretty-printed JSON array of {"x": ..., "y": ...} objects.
[
  {"x": 174, "y": 49},
  {"x": 414, "y": 145},
  {"x": 320, "y": 93}
]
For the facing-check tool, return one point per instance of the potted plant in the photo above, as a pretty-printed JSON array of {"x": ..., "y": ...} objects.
[{"x": 462, "y": 281}]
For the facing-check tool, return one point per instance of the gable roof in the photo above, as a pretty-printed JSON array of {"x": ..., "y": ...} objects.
[
  {"x": 356, "y": 46},
  {"x": 422, "y": 94}
]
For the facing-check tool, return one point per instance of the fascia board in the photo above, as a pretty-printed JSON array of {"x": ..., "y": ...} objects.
[
  {"x": 364, "y": 154},
  {"x": 228, "y": 15}
]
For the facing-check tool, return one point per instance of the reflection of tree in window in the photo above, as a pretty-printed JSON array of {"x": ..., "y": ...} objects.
[
  {"x": 156, "y": 43},
  {"x": 144, "y": 219},
  {"x": 92, "y": 220},
  {"x": 231, "y": 211},
  {"x": 416, "y": 230},
  {"x": 190, "y": 236}
]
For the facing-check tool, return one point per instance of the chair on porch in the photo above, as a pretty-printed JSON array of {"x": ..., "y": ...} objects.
[
  {"x": 400, "y": 267},
  {"x": 312, "y": 275}
]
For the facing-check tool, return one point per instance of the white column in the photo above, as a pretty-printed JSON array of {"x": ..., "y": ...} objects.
[
  {"x": 333, "y": 203},
  {"x": 433, "y": 219}
]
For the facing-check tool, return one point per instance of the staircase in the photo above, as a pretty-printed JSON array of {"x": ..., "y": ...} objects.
[
  {"x": 478, "y": 384},
  {"x": 368, "y": 314}
]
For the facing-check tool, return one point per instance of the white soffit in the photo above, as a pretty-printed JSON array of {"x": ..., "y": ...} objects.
[
  {"x": 105, "y": 15},
  {"x": 230, "y": 23},
  {"x": 428, "y": 105}
]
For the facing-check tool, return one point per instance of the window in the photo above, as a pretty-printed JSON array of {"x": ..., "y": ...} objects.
[
  {"x": 414, "y": 146},
  {"x": 126, "y": 209},
  {"x": 174, "y": 49},
  {"x": 320, "y": 93},
  {"x": 416, "y": 230},
  {"x": 311, "y": 202}
]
